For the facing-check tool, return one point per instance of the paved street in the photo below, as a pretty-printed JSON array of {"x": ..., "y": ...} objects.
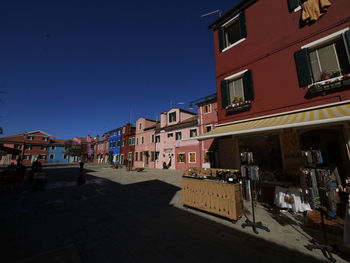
[{"x": 120, "y": 216}]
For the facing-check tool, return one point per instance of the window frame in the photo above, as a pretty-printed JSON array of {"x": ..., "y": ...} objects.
[
  {"x": 206, "y": 126},
  {"x": 170, "y": 135},
  {"x": 242, "y": 31},
  {"x": 172, "y": 115},
  {"x": 189, "y": 157},
  {"x": 303, "y": 61},
  {"x": 193, "y": 129},
  {"x": 178, "y": 159},
  {"x": 176, "y": 135},
  {"x": 204, "y": 107}
]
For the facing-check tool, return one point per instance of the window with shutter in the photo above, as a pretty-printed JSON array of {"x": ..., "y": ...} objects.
[
  {"x": 329, "y": 61},
  {"x": 238, "y": 88},
  {"x": 232, "y": 32},
  {"x": 324, "y": 59}
]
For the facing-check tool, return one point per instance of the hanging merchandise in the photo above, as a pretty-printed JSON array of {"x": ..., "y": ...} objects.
[
  {"x": 321, "y": 187},
  {"x": 312, "y": 157},
  {"x": 291, "y": 198}
]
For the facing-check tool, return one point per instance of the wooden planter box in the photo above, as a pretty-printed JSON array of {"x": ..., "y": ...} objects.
[{"x": 212, "y": 196}]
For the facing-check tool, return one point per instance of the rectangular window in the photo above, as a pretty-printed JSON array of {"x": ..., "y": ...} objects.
[
  {"x": 152, "y": 138},
  {"x": 142, "y": 140},
  {"x": 137, "y": 141},
  {"x": 30, "y": 138},
  {"x": 172, "y": 117},
  {"x": 235, "y": 88},
  {"x": 132, "y": 141},
  {"x": 157, "y": 138},
  {"x": 178, "y": 135},
  {"x": 207, "y": 108},
  {"x": 324, "y": 59},
  {"x": 170, "y": 135},
  {"x": 152, "y": 156},
  {"x": 329, "y": 60},
  {"x": 130, "y": 156},
  {"x": 208, "y": 128},
  {"x": 141, "y": 156},
  {"x": 193, "y": 132},
  {"x": 181, "y": 158},
  {"x": 156, "y": 155},
  {"x": 53, "y": 147},
  {"x": 192, "y": 157},
  {"x": 232, "y": 32},
  {"x": 123, "y": 143},
  {"x": 52, "y": 156},
  {"x": 136, "y": 156},
  {"x": 65, "y": 156},
  {"x": 140, "y": 126}
]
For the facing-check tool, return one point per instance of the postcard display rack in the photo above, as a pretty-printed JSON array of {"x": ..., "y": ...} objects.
[
  {"x": 319, "y": 194},
  {"x": 216, "y": 191},
  {"x": 250, "y": 175}
]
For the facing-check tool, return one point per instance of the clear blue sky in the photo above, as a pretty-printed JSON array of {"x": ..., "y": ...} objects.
[{"x": 73, "y": 68}]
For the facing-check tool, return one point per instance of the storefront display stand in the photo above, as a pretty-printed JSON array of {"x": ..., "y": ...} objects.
[
  {"x": 325, "y": 248},
  {"x": 253, "y": 223}
]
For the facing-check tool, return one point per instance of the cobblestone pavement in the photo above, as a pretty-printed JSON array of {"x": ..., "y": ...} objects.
[{"x": 120, "y": 216}]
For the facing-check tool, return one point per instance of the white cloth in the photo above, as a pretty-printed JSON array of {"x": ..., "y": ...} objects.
[{"x": 297, "y": 206}]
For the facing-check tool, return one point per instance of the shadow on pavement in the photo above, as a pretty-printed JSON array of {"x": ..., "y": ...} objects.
[{"x": 110, "y": 222}]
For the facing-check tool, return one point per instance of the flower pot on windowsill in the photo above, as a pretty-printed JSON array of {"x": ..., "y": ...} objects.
[
  {"x": 238, "y": 107},
  {"x": 336, "y": 82}
]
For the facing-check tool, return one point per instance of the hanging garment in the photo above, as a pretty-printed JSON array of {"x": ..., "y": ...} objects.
[
  {"x": 291, "y": 198},
  {"x": 312, "y": 10}
]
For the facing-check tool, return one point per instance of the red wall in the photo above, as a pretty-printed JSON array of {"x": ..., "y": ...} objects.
[
  {"x": 273, "y": 35},
  {"x": 129, "y": 133}
]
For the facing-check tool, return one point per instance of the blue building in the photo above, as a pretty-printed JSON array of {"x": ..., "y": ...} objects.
[
  {"x": 57, "y": 152},
  {"x": 114, "y": 143}
]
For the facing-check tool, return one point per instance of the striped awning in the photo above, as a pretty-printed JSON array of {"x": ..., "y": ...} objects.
[{"x": 305, "y": 117}]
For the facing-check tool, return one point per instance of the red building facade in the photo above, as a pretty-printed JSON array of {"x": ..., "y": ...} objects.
[
  {"x": 33, "y": 145},
  {"x": 267, "y": 50},
  {"x": 283, "y": 87},
  {"x": 128, "y": 143}
]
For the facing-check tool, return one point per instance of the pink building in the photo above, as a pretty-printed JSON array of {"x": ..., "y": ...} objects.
[
  {"x": 145, "y": 143},
  {"x": 207, "y": 121},
  {"x": 175, "y": 125}
]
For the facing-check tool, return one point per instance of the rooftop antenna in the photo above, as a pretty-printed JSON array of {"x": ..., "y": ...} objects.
[
  {"x": 213, "y": 12},
  {"x": 176, "y": 103}
]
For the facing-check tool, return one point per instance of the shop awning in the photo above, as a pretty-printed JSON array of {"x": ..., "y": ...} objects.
[{"x": 305, "y": 117}]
